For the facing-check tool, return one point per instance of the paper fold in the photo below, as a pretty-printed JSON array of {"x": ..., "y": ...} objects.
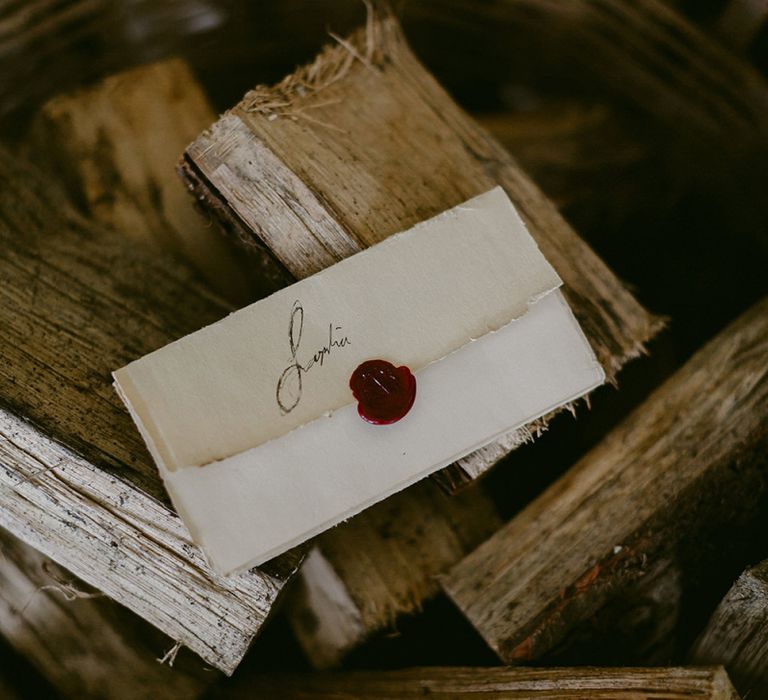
[
  {"x": 253, "y": 425},
  {"x": 412, "y": 299}
]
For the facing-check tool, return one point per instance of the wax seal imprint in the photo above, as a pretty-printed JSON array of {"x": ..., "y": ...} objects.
[{"x": 384, "y": 393}]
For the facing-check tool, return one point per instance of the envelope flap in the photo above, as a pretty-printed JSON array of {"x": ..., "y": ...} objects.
[{"x": 285, "y": 361}]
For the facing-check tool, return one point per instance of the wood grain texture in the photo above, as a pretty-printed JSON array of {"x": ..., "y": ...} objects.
[
  {"x": 116, "y": 144},
  {"x": 690, "y": 459},
  {"x": 737, "y": 634},
  {"x": 381, "y": 564},
  {"x": 85, "y": 645},
  {"x": 364, "y": 143},
  {"x": 456, "y": 683},
  {"x": 77, "y": 483}
]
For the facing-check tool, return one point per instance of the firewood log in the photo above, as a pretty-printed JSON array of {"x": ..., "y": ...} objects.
[
  {"x": 76, "y": 481},
  {"x": 455, "y": 683},
  {"x": 737, "y": 633},
  {"x": 85, "y": 645},
  {"x": 686, "y": 467},
  {"x": 115, "y": 145}
]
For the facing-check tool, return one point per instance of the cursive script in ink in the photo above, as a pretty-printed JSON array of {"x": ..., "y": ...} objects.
[{"x": 289, "y": 386}]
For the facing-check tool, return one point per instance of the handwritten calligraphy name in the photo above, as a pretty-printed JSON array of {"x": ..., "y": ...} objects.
[{"x": 290, "y": 384}]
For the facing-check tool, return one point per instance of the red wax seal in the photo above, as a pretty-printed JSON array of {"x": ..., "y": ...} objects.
[{"x": 385, "y": 393}]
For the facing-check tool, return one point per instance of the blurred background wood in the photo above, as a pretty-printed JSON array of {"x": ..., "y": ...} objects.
[
  {"x": 739, "y": 24},
  {"x": 737, "y": 633},
  {"x": 643, "y": 54},
  {"x": 85, "y": 645},
  {"x": 577, "y": 151},
  {"x": 674, "y": 71},
  {"x": 115, "y": 146},
  {"x": 687, "y": 467},
  {"x": 497, "y": 682}
]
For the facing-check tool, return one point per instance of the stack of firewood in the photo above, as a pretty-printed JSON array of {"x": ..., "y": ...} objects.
[{"x": 612, "y": 553}]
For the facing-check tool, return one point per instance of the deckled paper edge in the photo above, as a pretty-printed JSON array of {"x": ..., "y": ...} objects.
[
  {"x": 350, "y": 513},
  {"x": 159, "y": 453}
]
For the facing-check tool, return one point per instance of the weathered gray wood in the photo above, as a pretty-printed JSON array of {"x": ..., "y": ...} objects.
[
  {"x": 737, "y": 634},
  {"x": 85, "y": 645},
  {"x": 75, "y": 479},
  {"x": 498, "y": 682},
  {"x": 115, "y": 146},
  {"x": 363, "y": 143},
  {"x": 691, "y": 457},
  {"x": 383, "y": 563}
]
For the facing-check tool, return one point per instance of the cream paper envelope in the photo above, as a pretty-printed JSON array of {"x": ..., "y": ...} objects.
[{"x": 252, "y": 422}]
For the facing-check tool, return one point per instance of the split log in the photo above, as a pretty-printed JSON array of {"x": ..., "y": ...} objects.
[
  {"x": 687, "y": 467},
  {"x": 381, "y": 564},
  {"x": 456, "y": 683},
  {"x": 83, "y": 644},
  {"x": 737, "y": 633},
  {"x": 76, "y": 481},
  {"x": 116, "y": 144},
  {"x": 643, "y": 626},
  {"x": 363, "y": 143}
]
